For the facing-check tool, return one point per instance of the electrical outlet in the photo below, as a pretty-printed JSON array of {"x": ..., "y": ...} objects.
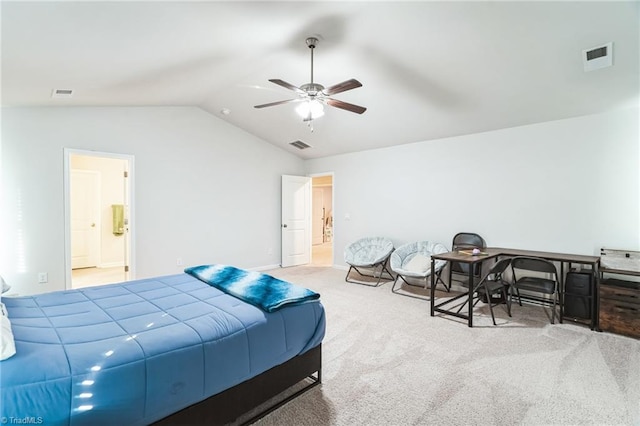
[
  {"x": 43, "y": 278},
  {"x": 270, "y": 251},
  {"x": 179, "y": 261}
]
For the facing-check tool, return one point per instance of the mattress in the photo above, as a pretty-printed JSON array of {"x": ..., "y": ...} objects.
[{"x": 135, "y": 352}]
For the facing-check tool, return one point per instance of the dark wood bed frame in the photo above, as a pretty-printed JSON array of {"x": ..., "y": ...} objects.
[{"x": 227, "y": 406}]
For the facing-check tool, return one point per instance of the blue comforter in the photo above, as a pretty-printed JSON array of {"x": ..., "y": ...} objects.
[{"x": 136, "y": 352}]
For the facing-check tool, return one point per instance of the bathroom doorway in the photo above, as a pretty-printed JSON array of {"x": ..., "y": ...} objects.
[
  {"x": 322, "y": 234},
  {"x": 98, "y": 218}
]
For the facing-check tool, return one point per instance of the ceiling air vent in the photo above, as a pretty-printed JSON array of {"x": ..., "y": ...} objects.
[
  {"x": 598, "y": 57},
  {"x": 300, "y": 145},
  {"x": 62, "y": 93}
]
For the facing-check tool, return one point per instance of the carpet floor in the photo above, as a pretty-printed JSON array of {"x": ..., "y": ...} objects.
[{"x": 386, "y": 361}]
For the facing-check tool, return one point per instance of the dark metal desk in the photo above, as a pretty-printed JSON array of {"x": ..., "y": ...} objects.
[{"x": 493, "y": 252}]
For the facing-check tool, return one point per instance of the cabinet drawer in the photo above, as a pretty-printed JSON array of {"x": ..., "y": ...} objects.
[
  {"x": 620, "y": 317},
  {"x": 629, "y": 295}
]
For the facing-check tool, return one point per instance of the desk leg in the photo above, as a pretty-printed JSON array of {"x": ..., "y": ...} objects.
[
  {"x": 471, "y": 286},
  {"x": 432, "y": 291},
  {"x": 595, "y": 297},
  {"x": 561, "y": 283}
]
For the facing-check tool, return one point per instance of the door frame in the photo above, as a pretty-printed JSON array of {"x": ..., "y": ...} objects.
[
  {"x": 130, "y": 248},
  {"x": 333, "y": 208}
]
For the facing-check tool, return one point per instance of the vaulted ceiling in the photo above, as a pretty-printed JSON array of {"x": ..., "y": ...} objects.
[{"x": 429, "y": 69}]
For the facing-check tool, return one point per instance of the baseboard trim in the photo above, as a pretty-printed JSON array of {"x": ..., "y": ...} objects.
[
  {"x": 278, "y": 266},
  {"x": 264, "y": 268},
  {"x": 111, "y": 265}
]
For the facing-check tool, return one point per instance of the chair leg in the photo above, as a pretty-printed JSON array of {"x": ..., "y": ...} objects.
[
  {"x": 348, "y": 272},
  {"x": 504, "y": 295},
  {"x": 393, "y": 287},
  {"x": 553, "y": 307},
  {"x": 382, "y": 270},
  {"x": 519, "y": 298},
  {"x": 385, "y": 269},
  {"x": 379, "y": 275},
  {"x": 488, "y": 295}
]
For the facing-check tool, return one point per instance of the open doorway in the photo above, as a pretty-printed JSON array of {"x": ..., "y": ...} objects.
[
  {"x": 98, "y": 213},
  {"x": 322, "y": 220}
]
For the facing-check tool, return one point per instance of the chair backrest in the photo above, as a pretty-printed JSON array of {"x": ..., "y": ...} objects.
[
  {"x": 406, "y": 252},
  {"x": 464, "y": 240},
  {"x": 468, "y": 240},
  {"x": 496, "y": 271},
  {"x": 534, "y": 264},
  {"x": 500, "y": 266},
  {"x": 368, "y": 250}
]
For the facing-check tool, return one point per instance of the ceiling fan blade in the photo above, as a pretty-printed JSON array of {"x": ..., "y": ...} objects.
[
  {"x": 342, "y": 87},
  {"x": 278, "y": 103},
  {"x": 287, "y": 85},
  {"x": 344, "y": 105}
]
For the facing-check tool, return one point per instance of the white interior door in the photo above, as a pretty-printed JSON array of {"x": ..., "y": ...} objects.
[
  {"x": 296, "y": 220},
  {"x": 85, "y": 191},
  {"x": 317, "y": 221}
]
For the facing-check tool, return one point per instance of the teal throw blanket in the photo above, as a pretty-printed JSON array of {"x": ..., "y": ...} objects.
[{"x": 261, "y": 290}]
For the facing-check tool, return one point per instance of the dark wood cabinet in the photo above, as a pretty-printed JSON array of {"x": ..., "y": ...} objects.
[
  {"x": 619, "y": 307},
  {"x": 619, "y": 299}
]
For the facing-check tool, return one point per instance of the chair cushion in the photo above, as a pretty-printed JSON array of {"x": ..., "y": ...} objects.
[
  {"x": 493, "y": 286},
  {"x": 541, "y": 285},
  {"x": 418, "y": 263},
  {"x": 403, "y": 263}
]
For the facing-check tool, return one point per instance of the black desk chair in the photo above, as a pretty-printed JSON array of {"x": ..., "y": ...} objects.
[
  {"x": 522, "y": 267},
  {"x": 491, "y": 284},
  {"x": 460, "y": 271}
]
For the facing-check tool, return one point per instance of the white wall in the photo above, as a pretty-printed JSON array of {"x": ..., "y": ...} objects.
[
  {"x": 208, "y": 192},
  {"x": 205, "y": 191},
  {"x": 569, "y": 186}
]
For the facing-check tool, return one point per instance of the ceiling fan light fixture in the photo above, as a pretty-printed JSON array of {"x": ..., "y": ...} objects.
[
  {"x": 310, "y": 110},
  {"x": 314, "y": 95}
]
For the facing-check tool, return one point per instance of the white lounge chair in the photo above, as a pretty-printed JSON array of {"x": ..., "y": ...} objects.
[
  {"x": 369, "y": 253},
  {"x": 413, "y": 260}
]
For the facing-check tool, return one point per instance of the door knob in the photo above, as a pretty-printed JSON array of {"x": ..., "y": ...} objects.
[
  {"x": 284, "y": 226},
  {"x": 93, "y": 225}
]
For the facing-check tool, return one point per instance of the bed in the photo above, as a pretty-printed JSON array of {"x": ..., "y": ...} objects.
[{"x": 166, "y": 350}]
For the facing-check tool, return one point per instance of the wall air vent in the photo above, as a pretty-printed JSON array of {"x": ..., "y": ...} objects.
[
  {"x": 598, "y": 57},
  {"x": 62, "y": 93},
  {"x": 300, "y": 145}
]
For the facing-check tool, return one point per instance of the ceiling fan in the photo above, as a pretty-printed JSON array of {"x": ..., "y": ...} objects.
[{"x": 315, "y": 95}]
